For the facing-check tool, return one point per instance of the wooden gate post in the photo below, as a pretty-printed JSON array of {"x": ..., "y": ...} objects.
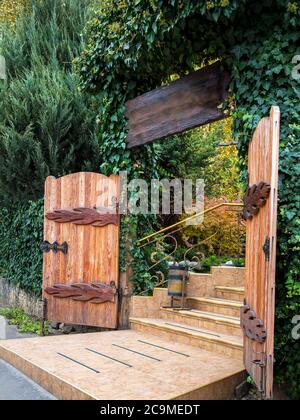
[{"x": 125, "y": 290}]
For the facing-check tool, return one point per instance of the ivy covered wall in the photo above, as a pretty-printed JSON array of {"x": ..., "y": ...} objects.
[
  {"x": 135, "y": 46},
  {"x": 21, "y": 234}
]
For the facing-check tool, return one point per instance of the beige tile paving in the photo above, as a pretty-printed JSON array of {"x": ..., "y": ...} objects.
[{"x": 171, "y": 376}]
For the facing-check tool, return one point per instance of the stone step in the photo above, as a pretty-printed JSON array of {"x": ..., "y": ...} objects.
[
  {"x": 229, "y": 345},
  {"x": 123, "y": 365},
  {"x": 216, "y": 305},
  {"x": 207, "y": 320},
  {"x": 230, "y": 292}
]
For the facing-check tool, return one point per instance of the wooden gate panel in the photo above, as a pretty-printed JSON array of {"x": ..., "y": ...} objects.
[
  {"x": 93, "y": 252},
  {"x": 261, "y": 263}
]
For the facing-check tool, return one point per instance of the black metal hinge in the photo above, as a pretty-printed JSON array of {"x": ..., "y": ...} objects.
[
  {"x": 266, "y": 248},
  {"x": 55, "y": 247}
]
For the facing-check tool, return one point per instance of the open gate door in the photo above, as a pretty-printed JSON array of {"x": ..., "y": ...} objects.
[
  {"x": 260, "y": 211},
  {"x": 81, "y": 249}
]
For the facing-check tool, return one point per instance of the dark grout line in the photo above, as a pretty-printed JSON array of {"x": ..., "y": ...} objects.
[
  {"x": 164, "y": 348},
  {"x": 136, "y": 352},
  {"x": 78, "y": 363},
  {"x": 108, "y": 357}
]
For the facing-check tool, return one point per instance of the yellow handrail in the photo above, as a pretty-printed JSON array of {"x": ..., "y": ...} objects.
[{"x": 190, "y": 218}]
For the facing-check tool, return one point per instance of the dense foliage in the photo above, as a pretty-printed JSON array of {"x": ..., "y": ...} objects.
[
  {"x": 222, "y": 233},
  {"x": 46, "y": 125},
  {"x": 135, "y": 46},
  {"x": 10, "y": 9},
  {"x": 203, "y": 153},
  {"x": 21, "y": 233},
  {"x": 24, "y": 322}
]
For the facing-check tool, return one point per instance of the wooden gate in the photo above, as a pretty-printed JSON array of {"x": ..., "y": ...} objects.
[
  {"x": 260, "y": 211},
  {"x": 81, "y": 249}
]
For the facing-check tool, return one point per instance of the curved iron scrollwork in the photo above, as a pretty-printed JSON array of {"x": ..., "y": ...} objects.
[
  {"x": 159, "y": 280},
  {"x": 164, "y": 248},
  {"x": 255, "y": 198},
  {"x": 161, "y": 248},
  {"x": 195, "y": 260},
  {"x": 252, "y": 326}
]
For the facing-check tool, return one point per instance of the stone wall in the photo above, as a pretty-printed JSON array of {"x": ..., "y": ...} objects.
[{"x": 11, "y": 295}]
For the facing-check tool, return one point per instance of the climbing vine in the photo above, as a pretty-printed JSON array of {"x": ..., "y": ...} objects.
[{"x": 135, "y": 46}]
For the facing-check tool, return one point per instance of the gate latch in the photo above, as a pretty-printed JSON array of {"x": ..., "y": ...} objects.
[
  {"x": 260, "y": 361},
  {"x": 266, "y": 248}
]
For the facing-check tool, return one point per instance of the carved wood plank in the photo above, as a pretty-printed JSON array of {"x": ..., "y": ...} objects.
[
  {"x": 94, "y": 292},
  {"x": 83, "y": 216},
  {"x": 187, "y": 103}
]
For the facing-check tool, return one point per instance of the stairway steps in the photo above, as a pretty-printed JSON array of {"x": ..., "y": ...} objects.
[
  {"x": 201, "y": 319},
  {"x": 229, "y": 345},
  {"x": 230, "y": 292},
  {"x": 216, "y": 305}
]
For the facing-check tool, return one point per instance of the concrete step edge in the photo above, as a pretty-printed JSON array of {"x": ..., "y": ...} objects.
[
  {"x": 214, "y": 338},
  {"x": 232, "y": 289},
  {"x": 212, "y": 316},
  {"x": 217, "y": 301}
]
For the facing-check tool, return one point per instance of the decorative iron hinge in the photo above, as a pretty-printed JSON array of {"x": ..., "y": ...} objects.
[
  {"x": 84, "y": 292},
  {"x": 266, "y": 249},
  {"x": 103, "y": 216},
  {"x": 252, "y": 326},
  {"x": 255, "y": 198}
]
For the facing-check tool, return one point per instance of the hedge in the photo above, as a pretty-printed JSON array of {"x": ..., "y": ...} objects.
[{"x": 21, "y": 234}]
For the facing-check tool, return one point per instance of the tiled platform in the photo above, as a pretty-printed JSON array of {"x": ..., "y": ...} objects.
[{"x": 123, "y": 365}]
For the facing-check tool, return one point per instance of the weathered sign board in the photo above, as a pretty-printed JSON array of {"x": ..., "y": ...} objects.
[{"x": 184, "y": 104}]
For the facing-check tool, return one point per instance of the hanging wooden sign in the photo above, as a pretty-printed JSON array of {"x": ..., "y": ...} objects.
[{"x": 187, "y": 103}]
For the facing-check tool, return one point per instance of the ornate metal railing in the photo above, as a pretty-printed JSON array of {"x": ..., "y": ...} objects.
[
  {"x": 166, "y": 243},
  {"x": 187, "y": 219}
]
